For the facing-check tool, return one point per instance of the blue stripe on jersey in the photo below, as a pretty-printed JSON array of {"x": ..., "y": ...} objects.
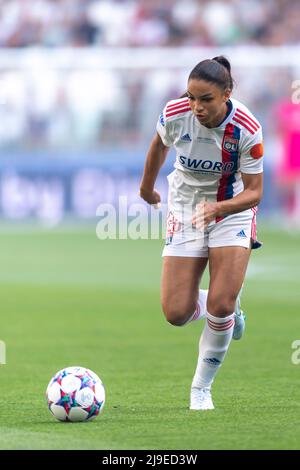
[
  {"x": 234, "y": 156},
  {"x": 230, "y": 154}
]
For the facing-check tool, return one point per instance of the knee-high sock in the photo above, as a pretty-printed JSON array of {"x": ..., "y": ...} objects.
[
  {"x": 200, "y": 311},
  {"x": 213, "y": 345}
]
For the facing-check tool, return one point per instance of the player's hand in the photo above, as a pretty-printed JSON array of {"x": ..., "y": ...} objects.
[
  {"x": 205, "y": 213},
  {"x": 150, "y": 196}
]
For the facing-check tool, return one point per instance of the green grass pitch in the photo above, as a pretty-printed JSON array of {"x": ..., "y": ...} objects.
[{"x": 69, "y": 299}]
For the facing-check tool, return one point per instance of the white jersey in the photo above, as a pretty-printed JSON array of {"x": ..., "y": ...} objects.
[{"x": 210, "y": 161}]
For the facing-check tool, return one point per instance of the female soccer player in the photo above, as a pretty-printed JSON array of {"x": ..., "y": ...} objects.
[{"x": 213, "y": 193}]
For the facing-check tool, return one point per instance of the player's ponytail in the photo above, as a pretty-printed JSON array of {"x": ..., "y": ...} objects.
[
  {"x": 223, "y": 61},
  {"x": 216, "y": 70}
]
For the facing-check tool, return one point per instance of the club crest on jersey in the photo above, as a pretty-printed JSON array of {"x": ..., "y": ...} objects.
[{"x": 230, "y": 144}]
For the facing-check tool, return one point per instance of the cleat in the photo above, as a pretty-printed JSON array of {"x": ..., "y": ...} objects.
[
  {"x": 201, "y": 399},
  {"x": 239, "y": 321}
]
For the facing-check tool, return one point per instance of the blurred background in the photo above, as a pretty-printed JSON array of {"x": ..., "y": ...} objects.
[{"x": 82, "y": 83}]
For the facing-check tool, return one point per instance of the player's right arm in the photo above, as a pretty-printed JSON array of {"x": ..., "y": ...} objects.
[{"x": 155, "y": 158}]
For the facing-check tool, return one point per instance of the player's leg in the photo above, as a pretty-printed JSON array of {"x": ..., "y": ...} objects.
[
  {"x": 250, "y": 227},
  {"x": 180, "y": 297},
  {"x": 227, "y": 266},
  {"x": 239, "y": 316}
]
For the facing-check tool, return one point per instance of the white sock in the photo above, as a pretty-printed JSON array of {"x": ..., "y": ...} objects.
[
  {"x": 200, "y": 311},
  {"x": 213, "y": 345}
]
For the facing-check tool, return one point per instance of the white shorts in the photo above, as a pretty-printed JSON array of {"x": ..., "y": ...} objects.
[{"x": 233, "y": 230}]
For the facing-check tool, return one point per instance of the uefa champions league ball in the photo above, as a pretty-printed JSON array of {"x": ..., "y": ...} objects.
[{"x": 75, "y": 394}]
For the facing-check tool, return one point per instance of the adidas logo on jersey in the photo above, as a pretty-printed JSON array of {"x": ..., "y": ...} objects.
[
  {"x": 241, "y": 234},
  {"x": 186, "y": 138}
]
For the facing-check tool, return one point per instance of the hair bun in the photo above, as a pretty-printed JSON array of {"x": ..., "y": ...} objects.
[
  {"x": 216, "y": 70},
  {"x": 223, "y": 61}
]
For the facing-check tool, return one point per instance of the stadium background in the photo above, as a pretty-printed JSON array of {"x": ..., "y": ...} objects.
[{"x": 82, "y": 83}]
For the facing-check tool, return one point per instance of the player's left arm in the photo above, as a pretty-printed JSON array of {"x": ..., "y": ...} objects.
[
  {"x": 248, "y": 198},
  {"x": 207, "y": 211}
]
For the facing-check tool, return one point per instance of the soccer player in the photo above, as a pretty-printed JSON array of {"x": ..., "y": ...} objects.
[{"x": 213, "y": 196}]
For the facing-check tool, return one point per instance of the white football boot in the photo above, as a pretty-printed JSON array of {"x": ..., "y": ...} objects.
[
  {"x": 201, "y": 399},
  {"x": 239, "y": 320}
]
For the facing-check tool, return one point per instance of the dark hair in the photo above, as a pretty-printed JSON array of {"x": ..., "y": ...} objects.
[{"x": 216, "y": 70}]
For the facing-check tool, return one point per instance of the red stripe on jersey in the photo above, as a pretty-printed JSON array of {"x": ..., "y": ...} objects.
[
  {"x": 177, "y": 108},
  {"x": 178, "y": 111},
  {"x": 244, "y": 125},
  {"x": 226, "y": 158},
  {"x": 247, "y": 121},
  {"x": 175, "y": 105},
  {"x": 179, "y": 105},
  {"x": 256, "y": 124}
]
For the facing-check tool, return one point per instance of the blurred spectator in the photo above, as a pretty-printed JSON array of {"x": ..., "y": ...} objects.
[
  {"x": 44, "y": 106},
  {"x": 58, "y": 23},
  {"x": 52, "y": 107},
  {"x": 12, "y": 108}
]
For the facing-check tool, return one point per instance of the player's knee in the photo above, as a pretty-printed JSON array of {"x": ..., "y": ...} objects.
[
  {"x": 221, "y": 306},
  {"x": 176, "y": 315}
]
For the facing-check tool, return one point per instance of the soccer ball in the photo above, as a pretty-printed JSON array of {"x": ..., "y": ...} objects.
[{"x": 75, "y": 394}]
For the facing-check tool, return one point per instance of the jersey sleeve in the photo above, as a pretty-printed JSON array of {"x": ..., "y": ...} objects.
[
  {"x": 164, "y": 129},
  {"x": 251, "y": 155}
]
